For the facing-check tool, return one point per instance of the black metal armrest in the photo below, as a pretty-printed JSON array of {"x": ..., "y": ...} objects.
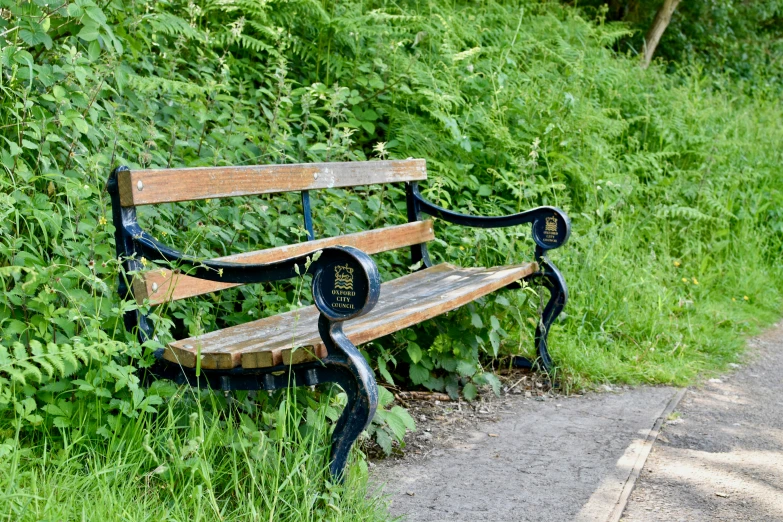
[
  {"x": 227, "y": 272},
  {"x": 551, "y": 226}
]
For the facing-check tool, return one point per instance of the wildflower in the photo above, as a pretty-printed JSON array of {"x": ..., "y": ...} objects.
[
  {"x": 143, "y": 261},
  {"x": 734, "y": 299},
  {"x": 236, "y": 27},
  {"x": 746, "y": 298},
  {"x": 534, "y": 152},
  {"x": 695, "y": 281},
  {"x": 380, "y": 149},
  {"x": 101, "y": 220},
  {"x": 676, "y": 263},
  {"x": 684, "y": 279}
]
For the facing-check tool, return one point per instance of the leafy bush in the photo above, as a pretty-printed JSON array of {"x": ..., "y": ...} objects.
[{"x": 740, "y": 40}]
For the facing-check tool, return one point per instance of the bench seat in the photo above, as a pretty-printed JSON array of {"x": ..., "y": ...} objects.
[{"x": 292, "y": 337}]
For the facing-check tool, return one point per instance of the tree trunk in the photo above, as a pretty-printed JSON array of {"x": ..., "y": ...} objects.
[{"x": 659, "y": 25}]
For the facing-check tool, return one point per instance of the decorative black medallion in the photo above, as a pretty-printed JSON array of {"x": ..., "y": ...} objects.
[
  {"x": 550, "y": 231},
  {"x": 341, "y": 287}
]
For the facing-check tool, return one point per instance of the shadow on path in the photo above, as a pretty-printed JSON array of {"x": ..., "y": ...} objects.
[
  {"x": 542, "y": 461},
  {"x": 722, "y": 458}
]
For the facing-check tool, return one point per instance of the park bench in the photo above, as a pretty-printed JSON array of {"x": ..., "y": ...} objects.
[{"x": 314, "y": 344}]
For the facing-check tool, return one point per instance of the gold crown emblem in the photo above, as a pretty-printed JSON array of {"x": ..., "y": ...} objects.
[
  {"x": 343, "y": 277},
  {"x": 551, "y": 225}
]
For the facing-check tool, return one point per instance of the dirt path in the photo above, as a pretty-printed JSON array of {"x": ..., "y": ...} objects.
[
  {"x": 722, "y": 457},
  {"x": 532, "y": 458}
]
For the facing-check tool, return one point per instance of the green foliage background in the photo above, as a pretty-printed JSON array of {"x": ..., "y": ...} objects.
[{"x": 672, "y": 178}]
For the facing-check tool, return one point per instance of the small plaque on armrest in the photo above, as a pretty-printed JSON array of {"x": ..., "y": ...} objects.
[
  {"x": 550, "y": 231},
  {"x": 341, "y": 287}
]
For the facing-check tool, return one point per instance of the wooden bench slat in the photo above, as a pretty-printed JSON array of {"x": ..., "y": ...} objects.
[
  {"x": 163, "y": 285},
  {"x": 266, "y": 338},
  {"x": 422, "y": 303},
  {"x": 413, "y": 303},
  {"x": 404, "y": 301},
  {"x": 146, "y": 187}
]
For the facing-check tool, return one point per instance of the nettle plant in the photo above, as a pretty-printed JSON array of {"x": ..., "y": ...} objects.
[{"x": 80, "y": 95}]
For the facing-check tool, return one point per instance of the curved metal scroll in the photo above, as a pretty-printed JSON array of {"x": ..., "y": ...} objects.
[
  {"x": 553, "y": 280},
  {"x": 551, "y": 226}
]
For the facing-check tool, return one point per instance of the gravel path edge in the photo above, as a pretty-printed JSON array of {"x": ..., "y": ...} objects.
[{"x": 609, "y": 500}]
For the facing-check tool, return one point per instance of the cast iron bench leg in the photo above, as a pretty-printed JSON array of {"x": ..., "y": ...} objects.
[
  {"x": 551, "y": 278},
  {"x": 356, "y": 378}
]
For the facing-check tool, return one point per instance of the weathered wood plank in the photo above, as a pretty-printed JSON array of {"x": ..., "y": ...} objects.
[
  {"x": 266, "y": 338},
  {"x": 145, "y": 187},
  {"x": 162, "y": 285},
  {"x": 292, "y": 338},
  {"x": 216, "y": 347},
  {"x": 415, "y": 306}
]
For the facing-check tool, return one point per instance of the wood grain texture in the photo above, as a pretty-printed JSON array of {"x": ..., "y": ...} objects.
[
  {"x": 146, "y": 187},
  {"x": 264, "y": 340},
  {"x": 162, "y": 285},
  {"x": 292, "y": 338}
]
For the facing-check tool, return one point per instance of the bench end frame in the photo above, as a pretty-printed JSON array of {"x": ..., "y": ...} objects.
[
  {"x": 550, "y": 227},
  {"x": 346, "y": 285}
]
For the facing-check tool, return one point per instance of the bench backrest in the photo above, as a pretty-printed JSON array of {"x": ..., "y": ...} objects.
[{"x": 145, "y": 187}]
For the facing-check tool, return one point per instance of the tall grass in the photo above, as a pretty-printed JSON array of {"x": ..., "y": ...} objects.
[{"x": 220, "y": 462}]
